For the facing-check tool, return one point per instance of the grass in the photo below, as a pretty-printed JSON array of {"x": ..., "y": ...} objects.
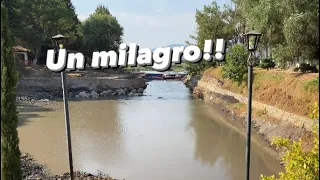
[
  {"x": 292, "y": 92},
  {"x": 238, "y": 105},
  {"x": 311, "y": 85},
  {"x": 262, "y": 78},
  {"x": 261, "y": 112}
]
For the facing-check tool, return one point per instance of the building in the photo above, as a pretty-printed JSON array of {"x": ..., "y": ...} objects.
[{"x": 22, "y": 54}]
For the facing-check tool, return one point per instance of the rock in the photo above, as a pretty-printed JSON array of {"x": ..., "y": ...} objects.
[
  {"x": 94, "y": 94},
  {"x": 126, "y": 90},
  {"x": 114, "y": 93},
  {"x": 121, "y": 92},
  {"x": 106, "y": 93},
  {"x": 71, "y": 95},
  {"x": 133, "y": 90},
  {"x": 140, "y": 90},
  {"x": 131, "y": 94},
  {"x": 83, "y": 94},
  {"x": 44, "y": 100}
]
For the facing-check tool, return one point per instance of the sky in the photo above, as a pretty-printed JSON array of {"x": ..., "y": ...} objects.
[{"x": 150, "y": 24}]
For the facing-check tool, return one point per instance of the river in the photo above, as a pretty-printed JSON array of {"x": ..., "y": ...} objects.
[{"x": 165, "y": 134}]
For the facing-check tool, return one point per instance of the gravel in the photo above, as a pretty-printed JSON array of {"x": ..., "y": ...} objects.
[{"x": 35, "y": 171}]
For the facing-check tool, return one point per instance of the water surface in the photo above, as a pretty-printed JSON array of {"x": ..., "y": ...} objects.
[{"x": 163, "y": 135}]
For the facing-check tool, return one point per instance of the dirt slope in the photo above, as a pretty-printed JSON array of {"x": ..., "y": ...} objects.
[{"x": 290, "y": 91}]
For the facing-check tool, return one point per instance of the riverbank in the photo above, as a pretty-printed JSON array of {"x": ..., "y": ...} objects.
[
  {"x": 280, "y": 101},
  {"x": 40, "y": 83},
  {"x": 33, "y": 170}
]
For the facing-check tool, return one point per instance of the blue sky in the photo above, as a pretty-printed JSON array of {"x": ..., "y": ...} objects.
[{"x": 150, "y": 24}]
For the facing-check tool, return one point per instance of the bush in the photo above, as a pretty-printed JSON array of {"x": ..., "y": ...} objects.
[
  {"x": 311, "y": 86},
  {"x": 299, "y": 164},
  {"x": 304, "y": 67},
  {"x": 236, "y": 67},
  {"x": 267, "y": 63}
]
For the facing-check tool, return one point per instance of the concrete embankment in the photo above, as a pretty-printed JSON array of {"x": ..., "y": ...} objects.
[
  {"x": 268, "y": 120},
  {"x": 81, "y": 86}
]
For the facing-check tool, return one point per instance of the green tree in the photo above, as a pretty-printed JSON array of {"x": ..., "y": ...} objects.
[
  {"x": 14, "y": 16},
  {"x": 302, "y": 34},
  {"x": 288, "y": 26},
  {"x": 101, "y": 32},
  {"x": 10, "y": 153},
  {"x": 212, "y": 23},
  {"x": 299, "y": 164},
  {"x": 236, "y": 65},
  {"x": 42, "y": 19}
]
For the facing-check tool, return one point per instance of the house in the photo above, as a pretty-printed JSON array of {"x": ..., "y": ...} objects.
[{"x": 24, "y": 52}]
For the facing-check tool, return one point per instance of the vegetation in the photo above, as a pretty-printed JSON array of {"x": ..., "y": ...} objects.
[
  {"x": 101, "y": 32},
  {"x": 311, "y": 86},
  {"x": 304, "y": 67},
  {"x": 211, "y": 25},
  {"x": 34, "y": 22},
  {"x": 267, "y": 63},
  {"x": 236, "y": 63},
  {"x": 290, "y": 29},
  {"x": 10, "y": 153},
  {"x": 299, "y": 164},
  {"x": 281, "y": 89}
]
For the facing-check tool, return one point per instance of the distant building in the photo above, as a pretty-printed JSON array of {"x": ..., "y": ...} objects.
[{"x": 19, "y": 50}]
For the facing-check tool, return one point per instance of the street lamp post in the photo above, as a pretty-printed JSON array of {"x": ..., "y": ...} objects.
[
  {"x": 59, "y": 42},
  {"x": 252, "y": 39}
]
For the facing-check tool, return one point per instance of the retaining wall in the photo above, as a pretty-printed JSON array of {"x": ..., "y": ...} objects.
[{"x": 81, "y": 83}]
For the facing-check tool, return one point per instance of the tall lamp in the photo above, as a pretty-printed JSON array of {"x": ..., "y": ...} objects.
[
  {"x": 252, "y": 39},
  {"x": 60, "y": 42}
]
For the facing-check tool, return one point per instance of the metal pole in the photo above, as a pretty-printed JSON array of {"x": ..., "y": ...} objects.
[
  {"x": 248, "y": 145},
  {"x": 66, "y": 114}
]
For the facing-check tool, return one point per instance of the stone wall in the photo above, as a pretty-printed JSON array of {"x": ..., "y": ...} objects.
[{"x": 97, "y": 84}]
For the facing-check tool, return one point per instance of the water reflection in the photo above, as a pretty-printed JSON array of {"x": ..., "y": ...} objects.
[
  {"x": 98, "y": 134},
  {"x": 217, "y": 143},
  {"x": 145, "y": 137}
]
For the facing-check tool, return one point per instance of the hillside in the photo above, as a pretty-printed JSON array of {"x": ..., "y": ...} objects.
[{"x": 291, "y": 91}]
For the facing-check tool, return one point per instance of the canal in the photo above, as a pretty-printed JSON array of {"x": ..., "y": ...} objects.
[{"x": 165, "y": 134}]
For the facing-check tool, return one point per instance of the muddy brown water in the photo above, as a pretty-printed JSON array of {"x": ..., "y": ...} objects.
[{"x": 163, "y": 135}]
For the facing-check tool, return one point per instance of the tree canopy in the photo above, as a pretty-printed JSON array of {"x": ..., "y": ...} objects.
[
  {"x": 289, "y": 28},
  {"x": 101, "y": 32}
]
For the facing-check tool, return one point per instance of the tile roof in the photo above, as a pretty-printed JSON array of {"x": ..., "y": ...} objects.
[{"x": 20, "y": 49}]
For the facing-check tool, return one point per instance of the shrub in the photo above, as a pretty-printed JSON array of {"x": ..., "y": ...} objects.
[
  {"x": 311, "y": 86},
  {"x": 267, "y": 63},
  {"x": 299, "y": 164},
  {"x": 235, "y": 66},
  {"x": 304, "y": 67}
]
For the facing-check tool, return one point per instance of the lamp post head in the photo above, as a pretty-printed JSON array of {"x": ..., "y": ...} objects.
[
  {"x": 252, "y": 39},
  {"x": 59, "y": 41}
]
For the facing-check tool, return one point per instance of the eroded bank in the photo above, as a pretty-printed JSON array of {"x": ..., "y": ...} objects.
[{"x": 268, "y": 120}]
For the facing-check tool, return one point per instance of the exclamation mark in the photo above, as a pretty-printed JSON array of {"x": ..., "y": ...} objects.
[
  {"x": 208, "y": 44},
  {"x": 220, "y": 49}
]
